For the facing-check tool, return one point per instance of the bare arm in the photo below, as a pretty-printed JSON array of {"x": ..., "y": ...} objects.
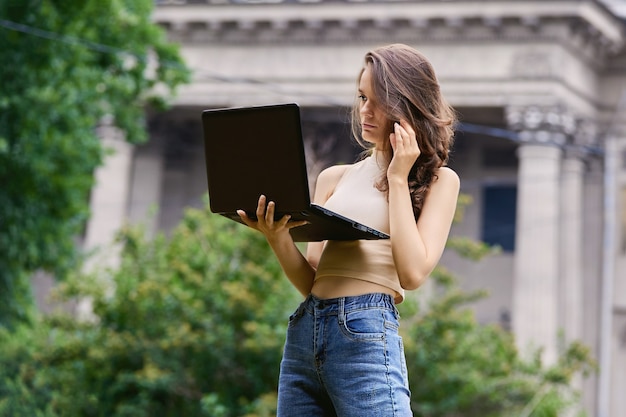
[
  {"x": 324, "y": 188},
  {"x": 299, "y": 270},
  {"x": 295, "y": 266},
  {"x": 417, "y": 247}
]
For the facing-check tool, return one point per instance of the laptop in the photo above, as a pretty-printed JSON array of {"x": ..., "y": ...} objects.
[{"x": 259, "y": 150}]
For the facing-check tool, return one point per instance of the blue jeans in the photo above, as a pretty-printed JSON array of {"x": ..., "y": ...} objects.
[{"x": 343, "y": 357}]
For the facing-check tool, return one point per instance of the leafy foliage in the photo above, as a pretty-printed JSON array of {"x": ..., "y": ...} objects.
[
  {"x": 188, "y": 326},
  {"x": 66, "y": 65},
  {"x": 193, "y": 325},
  {"x": 461, "y": 368},
  {"x": 458, "y": 367}
]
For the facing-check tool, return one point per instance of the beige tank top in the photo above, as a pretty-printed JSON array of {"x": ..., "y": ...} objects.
[{"x": 355, "y": 196}]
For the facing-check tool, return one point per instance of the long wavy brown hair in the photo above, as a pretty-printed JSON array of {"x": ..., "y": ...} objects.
[{"x": 406, "y": 87}]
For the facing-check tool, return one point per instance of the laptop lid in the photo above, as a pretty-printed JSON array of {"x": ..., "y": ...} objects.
[
  {"x": 255, "y": 150},
  {"x": 259, "y": 150}
]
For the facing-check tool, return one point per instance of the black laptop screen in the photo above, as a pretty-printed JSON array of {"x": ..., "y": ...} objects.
[{"x": 252, "y": 151}]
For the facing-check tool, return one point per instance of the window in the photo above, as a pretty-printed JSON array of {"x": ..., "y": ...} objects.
[{"x": 499, "y": 212}]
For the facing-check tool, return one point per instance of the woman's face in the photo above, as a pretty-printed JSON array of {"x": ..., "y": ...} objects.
[{"x": 375, "y": 126}]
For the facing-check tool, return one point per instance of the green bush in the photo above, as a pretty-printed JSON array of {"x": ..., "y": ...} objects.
[
  {"x": 458, "y": 367},
  {"x": 193, "y": 325},
  {"x": 187, "y": 326}
]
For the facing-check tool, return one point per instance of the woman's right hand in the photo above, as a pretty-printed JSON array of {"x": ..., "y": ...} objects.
[{"x": 265, "y": 222}]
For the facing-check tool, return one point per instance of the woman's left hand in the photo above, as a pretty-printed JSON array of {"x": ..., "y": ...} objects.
[{"x": 405, "y": 151}]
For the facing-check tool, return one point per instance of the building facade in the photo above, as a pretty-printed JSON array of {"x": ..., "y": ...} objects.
[{"x": 540, "y": 88}]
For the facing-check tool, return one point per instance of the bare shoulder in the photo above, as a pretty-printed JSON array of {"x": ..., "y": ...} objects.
[
  {"x": 441, "y": 199},
  {"x": 327, "y": 180},
  {"x": 329, "y": 177},
  {"x": 447, "y": 178},
  {"x": 333, "y": 173}
]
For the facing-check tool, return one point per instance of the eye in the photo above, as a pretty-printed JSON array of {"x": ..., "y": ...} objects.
[{"x": 362, "y": 98}]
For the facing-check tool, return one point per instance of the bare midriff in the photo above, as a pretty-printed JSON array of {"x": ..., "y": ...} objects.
[{"x": 336, "y": 286}]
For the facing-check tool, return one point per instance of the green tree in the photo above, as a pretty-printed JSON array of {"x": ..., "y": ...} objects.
[
  {"x": 65, "y": 66},
  {"x": 191, "y": 325},
  {"x": 459, "y": 367}
]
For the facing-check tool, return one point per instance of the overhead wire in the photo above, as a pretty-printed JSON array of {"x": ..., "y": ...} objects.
[{"x": 464, "y": 127}]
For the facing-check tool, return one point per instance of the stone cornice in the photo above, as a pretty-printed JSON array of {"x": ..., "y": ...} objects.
[
  {"x": 587, "y": 23},
  {"x": 555, "y": 125}
]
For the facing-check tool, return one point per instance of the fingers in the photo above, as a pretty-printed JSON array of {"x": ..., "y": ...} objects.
[
  {"x": 405, "y": 150},
  {"x": 396, "y": 138},
  {"x": 299, "y": 223},
  {"x": 260, "y": 208},
  {"x": 245, "y": 219},
  {"x": 270, "y": 213},
  {"x": 260, "y": 214},
  {"x": 285, "y": 222},
  {"x": 403, "y": 133},
  {"x": 403, "y": 138},
  {"x": 265, "y": 213}
]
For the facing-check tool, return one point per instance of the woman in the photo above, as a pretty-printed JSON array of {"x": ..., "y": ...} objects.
[{"x": 343, "y": 355}]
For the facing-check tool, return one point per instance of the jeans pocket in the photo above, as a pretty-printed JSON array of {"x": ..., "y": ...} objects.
[
  {"x": 403, "y": 367},
  {"x": 296, "y": 315},
  {"x": 365, "y": 324}
]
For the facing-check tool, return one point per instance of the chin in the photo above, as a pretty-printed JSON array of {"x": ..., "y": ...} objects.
[{"x": 372, "y": 140}]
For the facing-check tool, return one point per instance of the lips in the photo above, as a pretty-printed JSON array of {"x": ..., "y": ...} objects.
[{"x": 367, "y": 126}]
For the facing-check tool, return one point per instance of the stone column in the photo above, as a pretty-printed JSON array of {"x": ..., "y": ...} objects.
[
  {"x": 109, "y": 196},
  {"x": 535, "y": 285},
  {"x": 536, "y": 265},
  {"x": 571, "y": 239},
  {"x": 571, "y": 303},
  {"x": 571, "y": 264},
  {"x": 612, "y": 356},
  {"x": 574, "y": 303},
  {"x": 145, "y": 190},
  {"x": 108, "y": 204}
]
